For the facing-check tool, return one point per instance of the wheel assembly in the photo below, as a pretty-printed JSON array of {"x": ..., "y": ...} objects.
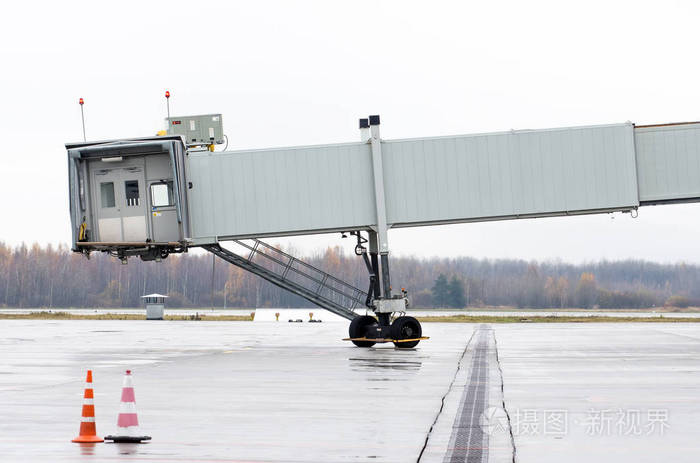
[
  {"x": 404, "y": 328},
  {"x": 359, "y": 326}
]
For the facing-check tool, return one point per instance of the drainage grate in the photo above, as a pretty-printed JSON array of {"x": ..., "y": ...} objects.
[{"x": 468, "y": 443}]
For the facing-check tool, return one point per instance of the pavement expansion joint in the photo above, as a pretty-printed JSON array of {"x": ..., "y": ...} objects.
[
  {"x": 468, "y": 442},
  {"x": 474, "y": 430},
  {"x": 503, "y": 398},
  {"x": 444, "y": 396}
]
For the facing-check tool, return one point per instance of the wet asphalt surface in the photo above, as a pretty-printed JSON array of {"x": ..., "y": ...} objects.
[{"x": 278, "y": 392}]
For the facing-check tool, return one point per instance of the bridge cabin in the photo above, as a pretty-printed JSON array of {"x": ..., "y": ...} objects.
[{"x": 126, "y": 196}]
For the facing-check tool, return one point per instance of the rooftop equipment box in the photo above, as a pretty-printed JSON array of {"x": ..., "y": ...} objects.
[{"x": 205, "y": 129}]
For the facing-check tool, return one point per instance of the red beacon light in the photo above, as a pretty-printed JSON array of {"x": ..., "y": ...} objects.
[
  {"x": 167, "y": 102},
  {"x": 81, "y": 101}
]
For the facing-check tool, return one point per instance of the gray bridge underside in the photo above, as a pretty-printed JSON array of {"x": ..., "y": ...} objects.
[{"x": 469, "y": 178}]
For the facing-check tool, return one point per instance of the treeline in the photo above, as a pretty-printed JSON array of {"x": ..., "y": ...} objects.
[{"x": 46, "y": 276}]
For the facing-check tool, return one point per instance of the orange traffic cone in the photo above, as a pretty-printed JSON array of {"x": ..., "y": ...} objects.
[
  {"x": 128, "y": 420},
  {"x": 88, "y": 432}
]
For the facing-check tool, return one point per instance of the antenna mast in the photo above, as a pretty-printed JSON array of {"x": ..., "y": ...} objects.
[{"x": 82, "y": 116}]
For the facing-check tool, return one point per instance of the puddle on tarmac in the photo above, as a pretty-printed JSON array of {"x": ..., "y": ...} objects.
[
  {"x": 369, "y": 363},
  {"x": 87, "y": 448},
  {"x": 127, "y": 449}
]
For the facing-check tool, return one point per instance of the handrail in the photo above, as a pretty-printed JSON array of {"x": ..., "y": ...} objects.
[{"x": 322, "y": 293}]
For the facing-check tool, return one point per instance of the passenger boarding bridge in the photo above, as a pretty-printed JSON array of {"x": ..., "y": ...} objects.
[{"x": 153, "y": 196}]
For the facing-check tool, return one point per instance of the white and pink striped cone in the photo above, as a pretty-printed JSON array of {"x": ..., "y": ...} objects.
[{"x": 128, "y": 421}]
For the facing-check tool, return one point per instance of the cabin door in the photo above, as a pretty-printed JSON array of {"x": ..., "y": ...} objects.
[
  {"x": 133, "y": 182},
  {"x": 121, "y": 207},
  {"x": 163, "y": 213}
]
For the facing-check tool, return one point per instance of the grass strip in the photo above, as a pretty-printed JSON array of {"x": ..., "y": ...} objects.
[
  {"x": 553, "y": 319},
  {"x": 119, "y": 316}
]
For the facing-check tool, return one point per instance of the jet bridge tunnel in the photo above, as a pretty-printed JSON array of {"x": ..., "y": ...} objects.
[{"x": 153, "y": 196}]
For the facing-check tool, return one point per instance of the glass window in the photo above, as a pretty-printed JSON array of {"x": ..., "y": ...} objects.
[
  {"x": 107, "y": 194},
  {"x": 131, "y": 189},
  {"x": 162, "y": 194}
]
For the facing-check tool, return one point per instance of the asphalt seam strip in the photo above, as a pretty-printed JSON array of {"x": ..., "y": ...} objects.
[
  {"x": 442, "y": 399},
  {"x": 468, "y": 442}
]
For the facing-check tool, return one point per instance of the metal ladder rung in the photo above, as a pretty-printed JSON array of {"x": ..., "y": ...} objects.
[
  {"x": 286, "y": 269},
  {"x": 252, "y": 251},
  {"x": 322, "y": 284}
]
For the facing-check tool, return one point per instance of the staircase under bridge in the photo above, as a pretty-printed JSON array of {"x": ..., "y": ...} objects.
[{"x": 292, "y": 274}]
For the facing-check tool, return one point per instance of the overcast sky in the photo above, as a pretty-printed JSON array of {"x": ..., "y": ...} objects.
[{"x": 286, "y": 73}]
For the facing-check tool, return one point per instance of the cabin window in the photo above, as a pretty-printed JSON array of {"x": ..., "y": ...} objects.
[
  {"x": 162, "y": 194},
  {"x": 107, "y": 194},
  {"x": 131, "y": 189}
]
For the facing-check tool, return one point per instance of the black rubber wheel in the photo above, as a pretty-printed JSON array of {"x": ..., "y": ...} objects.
[
  {"x": 358, "y": 329},
  {"x": 406, "y": 328}
]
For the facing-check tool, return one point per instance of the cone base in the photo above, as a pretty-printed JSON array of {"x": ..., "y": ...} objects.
[
  {"x": 87, "y": 439},
  {"x": 127, "y": 439}
]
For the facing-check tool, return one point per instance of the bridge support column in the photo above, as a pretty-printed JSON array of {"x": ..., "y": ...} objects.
[
  {"x": 381, "y": 235},
  {"x": 374, "y": 260},
  {"x": 404, "y": 331}
]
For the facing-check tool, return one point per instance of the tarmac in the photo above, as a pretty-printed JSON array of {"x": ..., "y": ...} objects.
[{"x": 294, "y": 392}]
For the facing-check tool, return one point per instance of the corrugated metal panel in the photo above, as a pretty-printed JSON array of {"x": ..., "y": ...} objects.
[
  {"x": 510, "y": 174},
  {"x": 668, "y": 162},
  {"x": 431, "y": 180},
  {"x": 278, "y": 191}
]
